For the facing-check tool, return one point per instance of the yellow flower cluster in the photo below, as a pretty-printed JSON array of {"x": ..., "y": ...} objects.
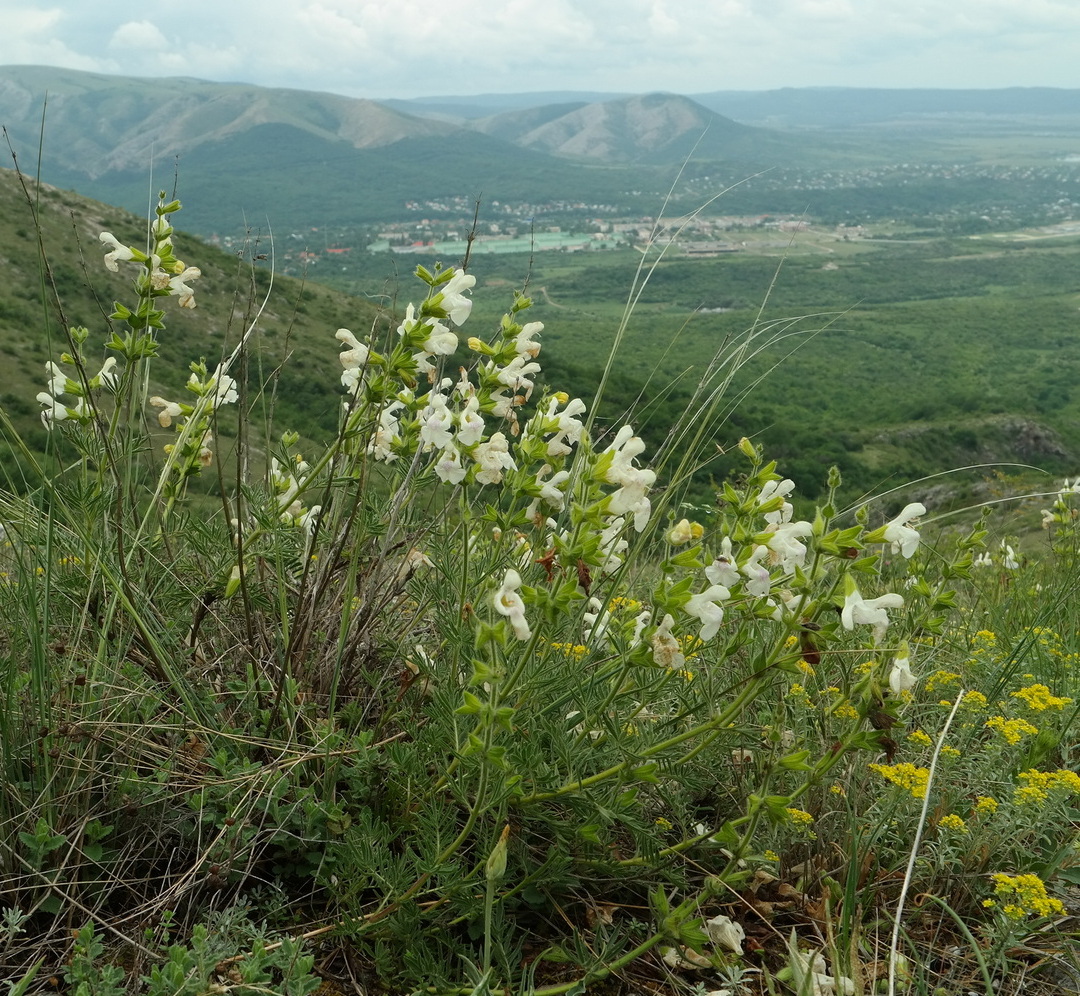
[
  {"x": 907, "y": 776},
  {"x": 799, "y": 696},
  {"x": 1052, "y": 643},
  {"x": 1038, "y": 697},
  {"x": 570, "y": 649},
  {"x": 1026, "y": 895},
  {"x": 1012, "y": 731},
  {"x": 802, "y": 821},
  {"x": 986, "y": 805},
  {"x": 920, "y": 737},
  {"x": 939, "y": 679},
  {"x": 845, "y": 710},
  {"x": 1037, "y": 785},
  {"x": 974, "y": 701},
  {"x": 953, "y": 822}
]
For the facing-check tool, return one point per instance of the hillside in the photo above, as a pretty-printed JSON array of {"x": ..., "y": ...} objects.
[
  {"x": 300, "y": 319},
  {"x": 655, "y": 128},
  {"x": 248, "y": 155}
]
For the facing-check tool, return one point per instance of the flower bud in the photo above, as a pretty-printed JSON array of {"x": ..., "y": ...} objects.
[{"x": 495, "y": 867}]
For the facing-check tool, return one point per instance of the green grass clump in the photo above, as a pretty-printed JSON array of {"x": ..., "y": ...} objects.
[{"x": 472, "y": 696}]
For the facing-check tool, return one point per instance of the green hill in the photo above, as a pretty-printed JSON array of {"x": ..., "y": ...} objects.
[{"x": 299, "y": 320}]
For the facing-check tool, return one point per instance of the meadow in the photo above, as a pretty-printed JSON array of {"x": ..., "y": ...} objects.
[{"x": 482, "y": 689}]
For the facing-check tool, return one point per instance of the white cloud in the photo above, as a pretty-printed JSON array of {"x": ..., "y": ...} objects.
[
  {"x": 137, "y": 35},
  {"x": 387, "y": 48}
]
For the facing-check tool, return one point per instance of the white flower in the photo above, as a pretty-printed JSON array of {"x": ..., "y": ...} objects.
[
  {"x": 54, "y": 411},
  {"x": 666, "y": 649},
  {"x": 723, "y": 570},
  {"x": 169, "y": 411},
  {"x": 471, "y": 423},
  {"x": 758, "y": 580},
  {"x": 868, "y": 611},
  {"x": 448, "y": 468},
  {"x": 632, "y": 498},
  {"x": 785, "y": 544},
  {"x": 515, "y": 375},
  {"x": 119, "y": 251},
  {"x": 594, "y": 621},
  {"x": 705, "y": 606},
  {"x": 508, "y": 603},
  {"x": 568, "y": 429},
  {"x": 726, "y": 933},
  {"x": 493, "y": 458},
  {"x": 810, "y": 974},
  {"x": 774, "y": 494},
  {"x": 357, "y": 353},
  {"x": 904, "y": 538},
  {"x": 983, "y": 560},
  {"x": 309, "y": 519},
  {"x": 551, "y": 491},
  {"x": 1008, "y": 555},
  {"x": 681, "y": 533},
  {"x": 224, "y": 388},
  {"x": 441, "y": 341},
  {"x": 436, "y": 421},
  {"x": 179, "y": 288},
  {"x": 386, "y": 433},
  {"x": 453, "y": 300},
  {"x": 105, "y": 375},
  {"x": 900, "y": 677},
  {"x": 612, "y": 543},
  {"x": 523, "y": 344},
  {"x": 57, "y": 378}
]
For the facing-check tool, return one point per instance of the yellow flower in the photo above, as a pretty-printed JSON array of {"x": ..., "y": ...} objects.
[
  {"x": 799, "y": 696},
  {"x": 953, "y": 822},
  {"x": 907, "y": 776},
  {"x": 802, "y": 821},
  {"x": 920, "y": 738},
  {"x": 940, "y": 678},
  {"x": 974, "y": 701},
  {"x": 1011, "y": 730},
  {"x": 571, "y": 649},
  {"x": 845, "y": 710},
  {"x": 1038, "y": 697},
  {"x": 985, "y": 805},
  {"x": 771, "y": 856},
  {"x": 1028, "y": 895},
  {"x": 1037, "y": 785},
  {"x": 663, "y": 824}
]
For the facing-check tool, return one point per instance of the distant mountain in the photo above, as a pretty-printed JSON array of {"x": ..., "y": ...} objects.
[
  {"x": 487, "y": 104},
  {"x": 798, "y": 107},
  {"x": 246, "y": 153},
  {"x": 107, "y": 123},
  {"x": 655, "y": 128},
  {"x": 847, "y": 107}
]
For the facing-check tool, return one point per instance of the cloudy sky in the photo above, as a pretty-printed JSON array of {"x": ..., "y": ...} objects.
[{"x": 409, "y": 48}]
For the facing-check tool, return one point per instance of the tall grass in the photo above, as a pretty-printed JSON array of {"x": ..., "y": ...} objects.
[{"x": 468, "y": 696}]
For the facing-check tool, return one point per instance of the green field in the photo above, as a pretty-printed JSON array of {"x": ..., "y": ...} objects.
[{"x": 898, "y": 358}]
